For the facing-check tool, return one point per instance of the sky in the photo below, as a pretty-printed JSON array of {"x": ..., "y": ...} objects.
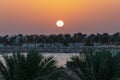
[{"x": 40, "y": 16}]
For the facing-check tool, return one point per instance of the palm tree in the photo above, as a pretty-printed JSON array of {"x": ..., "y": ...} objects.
[
  {"x": 67, "y": 38},
  {"x": 27, "y": 40},
  {"x": 5, "y": 42},
  {"x": 32, "y": 66},
  {"x": 99, "y": 66},
  {"x": 90, "y": 40},
  {"x": 105, "y": 38},
  {"x": 115, "y": 38},
  {"x": 20, "y": 41},
  {"x": 13, "y": 42},
  {"x": 52, "y": 38},
  {"x": 60, "y": 38},
  {"x": 0, "y": 39},
  {"x": 35, "y": 39}
]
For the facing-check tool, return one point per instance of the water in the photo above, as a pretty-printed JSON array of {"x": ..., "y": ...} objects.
[{"x": 60, "y": 57}]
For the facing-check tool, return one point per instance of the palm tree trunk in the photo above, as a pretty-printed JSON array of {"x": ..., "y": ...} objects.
[
  {"x": 13, "y": 49},
  {"x": 27, "y": 46},
  {"x": 5, "y": 49}
]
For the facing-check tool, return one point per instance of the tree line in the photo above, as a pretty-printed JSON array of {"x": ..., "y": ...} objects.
[
  {"x": 87, "y": 40},
  {"x": 101, "y": 65}
]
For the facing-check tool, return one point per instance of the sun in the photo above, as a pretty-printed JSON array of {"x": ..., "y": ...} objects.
[{"x": 60, "y": 23}]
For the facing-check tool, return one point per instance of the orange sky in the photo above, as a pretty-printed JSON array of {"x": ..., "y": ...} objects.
[{"x": 40, "y": 16}]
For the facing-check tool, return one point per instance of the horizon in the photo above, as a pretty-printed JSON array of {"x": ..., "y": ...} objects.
[
  {"x": 29, "y": 17},
  {"x": 57, "y": 34}
]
